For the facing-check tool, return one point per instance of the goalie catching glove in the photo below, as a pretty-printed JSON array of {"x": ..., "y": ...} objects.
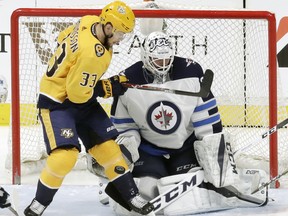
[{"x": 111, "y": 87}]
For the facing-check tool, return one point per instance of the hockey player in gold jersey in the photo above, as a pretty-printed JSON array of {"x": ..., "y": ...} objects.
[{"x": 69, "y": 111}]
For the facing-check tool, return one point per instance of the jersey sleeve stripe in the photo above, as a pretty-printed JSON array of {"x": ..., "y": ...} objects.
[
  {"x": 207, "y": 121},
  {"x": 205, "y": 106},
  {"x": 122, "y": 120}
]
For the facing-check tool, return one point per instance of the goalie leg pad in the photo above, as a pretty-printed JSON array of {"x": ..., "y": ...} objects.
[
  {"x": 215, "y": 156},
  {"x": 124, "y": 210},
  {"x": 251, "y": 179},
  {"x": 208, "y": 198},
  {"x": 102, "y": 196},
  {"x": 148, "y": 187}
]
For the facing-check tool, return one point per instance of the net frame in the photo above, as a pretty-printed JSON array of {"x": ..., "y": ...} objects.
[{"x": 216, "y": 14}]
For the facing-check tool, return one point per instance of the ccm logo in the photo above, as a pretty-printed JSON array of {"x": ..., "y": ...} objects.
[
  {"x": 173, "y": 194},
  {"x": 231, "y": 157}
]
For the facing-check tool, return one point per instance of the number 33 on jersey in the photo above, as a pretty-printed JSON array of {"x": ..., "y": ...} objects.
[{"x": 79, "y": 61}]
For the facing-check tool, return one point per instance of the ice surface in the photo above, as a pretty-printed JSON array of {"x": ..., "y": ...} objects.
[
  {"x": 78, "y": 195},
  {"x": 73, "y": 200}
]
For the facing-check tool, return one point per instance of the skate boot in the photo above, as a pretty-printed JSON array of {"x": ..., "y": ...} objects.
[{"x": 34, "y": 209}]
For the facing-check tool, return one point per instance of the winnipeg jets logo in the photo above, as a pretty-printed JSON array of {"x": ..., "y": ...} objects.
[
  {"x": 161, "y": 43},
  {"x": 163, "y": 117},
  {"x": 67, "y": 132}
]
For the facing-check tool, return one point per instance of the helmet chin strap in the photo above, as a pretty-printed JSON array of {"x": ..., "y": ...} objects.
[{"x": 106, "y": 37}]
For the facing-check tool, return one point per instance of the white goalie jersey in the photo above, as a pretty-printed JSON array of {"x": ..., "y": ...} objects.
[{"x": 163, "y": 119}]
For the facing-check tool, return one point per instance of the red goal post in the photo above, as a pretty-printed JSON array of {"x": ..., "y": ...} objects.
[{"x": 18, "y": 69}]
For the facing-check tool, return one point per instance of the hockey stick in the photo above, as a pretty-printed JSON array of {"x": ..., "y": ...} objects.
[
  {"x": 232, "y": 191},
  {"x": 178, "y": 190},
  {"x": 13, "y": 210},
  {"x": 205, "y": 87},
  {"x": 166, "y": 198},
  {"x": 263, "y": 136},
  {"x": 183, "y": 187},
  {"x": 269, "y": 182},
  {"x": 192, "y": 181}
]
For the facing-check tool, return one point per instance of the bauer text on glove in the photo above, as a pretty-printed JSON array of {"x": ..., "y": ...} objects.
[{"x": 111, "y": 87}]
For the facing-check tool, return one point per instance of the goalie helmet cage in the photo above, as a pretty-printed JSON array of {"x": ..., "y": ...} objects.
[{"x": 221, "y": 36}]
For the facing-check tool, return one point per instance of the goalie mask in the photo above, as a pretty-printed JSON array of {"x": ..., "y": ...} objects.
[
  {"x": 157, "y": 54},
  {"x": 3, "y": 89}
]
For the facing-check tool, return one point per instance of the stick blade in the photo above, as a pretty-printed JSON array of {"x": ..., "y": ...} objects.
[{"x": 13, "y": 211}]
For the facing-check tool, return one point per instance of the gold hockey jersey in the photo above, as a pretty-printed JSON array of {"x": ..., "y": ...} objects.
[{"x": 77, "y": 64}]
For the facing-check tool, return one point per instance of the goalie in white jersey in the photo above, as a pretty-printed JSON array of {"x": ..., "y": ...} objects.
[
  {"x": 164, "y": 126},
  {"x": 164, "y": 135}
]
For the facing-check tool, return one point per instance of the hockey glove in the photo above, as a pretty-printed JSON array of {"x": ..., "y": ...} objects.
[
  {"x": 111, "y": 87},
  {"x": 4, "y": 202}
]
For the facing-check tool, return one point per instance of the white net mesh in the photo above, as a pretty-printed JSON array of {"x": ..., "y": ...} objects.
[{"x": 236, "y": 50}]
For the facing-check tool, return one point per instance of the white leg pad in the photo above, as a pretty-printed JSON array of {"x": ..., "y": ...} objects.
[
  {"x": 215, "y": 156},
  {"x": 200, "y": 200},
  {"x": 147, "y": 189}
]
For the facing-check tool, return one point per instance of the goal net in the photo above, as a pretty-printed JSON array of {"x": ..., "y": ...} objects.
[{"x": 238, "y": 46}]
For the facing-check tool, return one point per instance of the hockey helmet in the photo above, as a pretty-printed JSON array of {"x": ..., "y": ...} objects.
[
  {"x": 157, "y": 53},
  {"x": 119, "y": 15}
]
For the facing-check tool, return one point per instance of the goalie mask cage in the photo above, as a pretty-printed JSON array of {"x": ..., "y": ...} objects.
[{"x": 239, "y": 46}]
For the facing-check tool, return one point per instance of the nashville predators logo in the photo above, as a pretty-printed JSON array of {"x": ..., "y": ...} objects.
[
  {"x": 67, "y": 132},
  {"x": 99, "y": 50},
  {"x": 121, "y": 10},
  {"x": 164, "y": 117}
]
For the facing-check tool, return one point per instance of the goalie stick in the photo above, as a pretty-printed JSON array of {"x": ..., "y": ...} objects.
[
  {"x": 164, "y": 199},
  {"x": 263, "y": 136},
  {"x": 171, "y": 195},
  {"x": 270, "y": 181},
  {"x": 13, "y": 210},
  {"x": 205, "y": 87},
  {"x": 195, "y": 180},
  {"x": 183, "y": 187}
]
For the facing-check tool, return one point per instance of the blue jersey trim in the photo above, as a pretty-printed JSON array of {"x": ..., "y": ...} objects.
[
  {"x": 205, "y": 106},
  {"x": 206, "y": 121},
  {"x": 121, "y": 121}
]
